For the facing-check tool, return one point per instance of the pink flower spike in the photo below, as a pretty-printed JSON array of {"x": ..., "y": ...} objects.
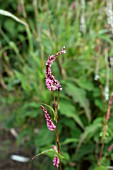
[
  {"x": 49, "y": 122},
  {"x": 51, "y": 83},
  {"x": 56, "y": 160}
]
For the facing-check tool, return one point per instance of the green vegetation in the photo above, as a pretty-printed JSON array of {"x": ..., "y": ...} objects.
[{"x": 42, "y": 28}]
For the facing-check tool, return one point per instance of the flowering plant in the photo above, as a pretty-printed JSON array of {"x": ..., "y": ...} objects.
[{"x": 52, "y": 85}]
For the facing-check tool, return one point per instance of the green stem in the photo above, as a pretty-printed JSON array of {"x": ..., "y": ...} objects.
[
  {"x": 56, "y": 130},
  {"x": 103, "y": 139}
]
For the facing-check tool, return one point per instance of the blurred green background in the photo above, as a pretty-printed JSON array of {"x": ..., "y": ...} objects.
[{"x": 43, "y": 28}]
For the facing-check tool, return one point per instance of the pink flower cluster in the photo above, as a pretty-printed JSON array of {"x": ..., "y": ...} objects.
[
  {"x": 51, "y": 83},
  {"x": 56, "y": 160},
  {"x": 49, "y": 122}
]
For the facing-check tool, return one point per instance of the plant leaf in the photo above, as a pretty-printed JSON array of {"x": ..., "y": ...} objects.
[
  {"x": 90, "y": 131},
  {"x": 79, "y": 95},
  {"x": 49, "y": 107},
  {"x": 44, "y": 152},
  {"x": 70, "y": 140},
  {"x": 50, "y": 150},
  {"x": 8, "y": 14},
  {"x": 69, "y": 110}
]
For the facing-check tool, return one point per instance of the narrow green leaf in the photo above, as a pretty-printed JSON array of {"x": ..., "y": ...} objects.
[
  {"x": 49, "y": 107},
  {"x": 44, "y": 152},
  {"x": 70, "y": 140},
  {"x": 103, "y": 31},
  {"x": 8, "y": 14},
  {"x": 50, "y": 150},
  {"x": 59, "y": 156},
  {"x": 79, "y": 96}
]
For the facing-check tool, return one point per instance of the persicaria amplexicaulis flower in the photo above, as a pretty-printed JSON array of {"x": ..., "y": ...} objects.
[
  {"x": 56, "y": 160},
  {"x": 51, "y": 83},
  {"x": 49, "y": 122}
]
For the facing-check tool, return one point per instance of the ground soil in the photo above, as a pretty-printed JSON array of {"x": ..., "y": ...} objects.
[{"x": 8, "y": 147}]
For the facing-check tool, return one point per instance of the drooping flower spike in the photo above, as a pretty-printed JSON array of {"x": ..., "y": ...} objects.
[
  {"x": 51, "y": 83},
  {"x": 49, "y": 122},
  {"x": 56, "y": 160}
]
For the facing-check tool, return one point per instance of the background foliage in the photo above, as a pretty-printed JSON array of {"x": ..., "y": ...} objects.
[{"x": 23, "y": 54}]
